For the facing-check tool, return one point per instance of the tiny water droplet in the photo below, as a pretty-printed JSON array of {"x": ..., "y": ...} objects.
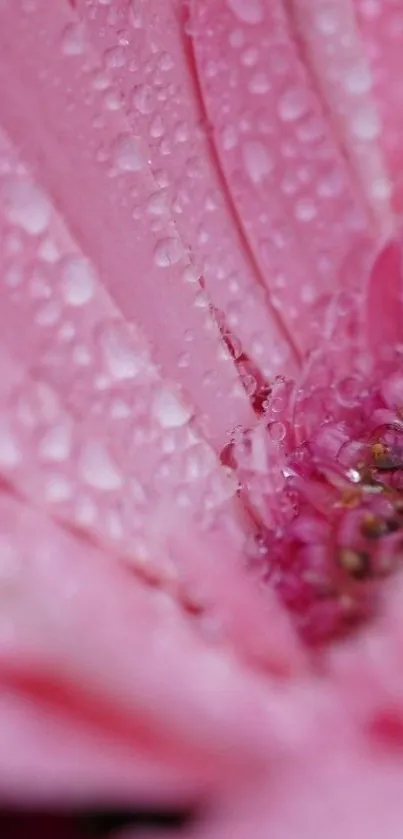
[
  {"x": 119, "y": 354},
  {"x": 73, "y": 39},
  {"x": 248, "y": 11},
  {"x": 78, "y": 280},
  {"x": 97, "y": 467},
  {"x": 168, "y": 252},
  {"x": 293, "y": 104},
  {"x": 143, "y": 98},
  {"x": 127, "y": 154}
]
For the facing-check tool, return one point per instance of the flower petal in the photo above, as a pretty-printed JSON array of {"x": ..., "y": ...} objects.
[
  {"x": 341, "y": 64},
  {"x": 381, "y": 28},
  {"x": 297, "y": 202},
  {"x": 146, "y": 52},
  {"x": 85, "y": 157},
  {"x": 85, "y": 637}
]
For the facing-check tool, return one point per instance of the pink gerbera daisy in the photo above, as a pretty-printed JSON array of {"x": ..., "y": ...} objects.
[{"x": 201, "y": 417}]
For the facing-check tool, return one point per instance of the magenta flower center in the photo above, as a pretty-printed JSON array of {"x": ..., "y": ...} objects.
[{"x": 334, "y": 525}]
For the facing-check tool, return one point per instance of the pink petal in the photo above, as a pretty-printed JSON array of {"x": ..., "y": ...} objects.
[
  {"x": 339, "y": 59},
  {"x": 94, "y": 643},
  {"x": 85, "y": 157},
  {"x": 381, "y": 28},
  {"x": 103, "y": 442},
  {"x": 296, "y": 199},
  {"x": 147, "y": 56}
]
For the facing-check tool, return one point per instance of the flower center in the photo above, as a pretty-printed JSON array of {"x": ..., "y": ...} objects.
[{"x": 334, "y": 528}]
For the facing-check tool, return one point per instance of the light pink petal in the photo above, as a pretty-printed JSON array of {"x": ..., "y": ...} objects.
[
  {"x": 102, "y": 441},
  {"x": 95, "y": 643},
  {"x": 52, "y": 755},
  {"x": 295, "y": 195},
  {"x": 341, "y": 65},
  {"x": 85, "y": 156},
  {"x": 381, "y": 28},
  {"x": 147, "y": 57}
]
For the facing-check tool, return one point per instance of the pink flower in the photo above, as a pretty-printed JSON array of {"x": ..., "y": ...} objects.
[{"x": 201, "y": 412}]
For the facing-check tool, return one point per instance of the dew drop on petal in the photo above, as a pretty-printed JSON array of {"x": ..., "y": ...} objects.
[
  {"x": 144, "y": 98},
  {"x": 73, "y": 39},
  {"x": 248, "y": 11},
  {"x": 293, "y": 104},
  {"x": 97, "y": 468},
  {"x": 168, "y": 410},
  {"x": 168, "y": 252},
  {"x": 127, "y": 154},
  {"x": 26, "y": 205},
  {"x": 78, "y": 281},
  {"x": 366, "y": 124},
  {"x": 10, "y": 452},
  {"x": 56, "y": 443},
  {"x": 119, "y": 356},
  {"x": 257, "y": 161}
]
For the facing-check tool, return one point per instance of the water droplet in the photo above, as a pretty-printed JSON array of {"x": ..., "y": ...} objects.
[
  {"x": 327, "y": 20},
  {"x": 277, "y": 431},
  {"x": 73, "y": 39},
  {"x": 158, "y": 204},
  {"x": 26, "y": 205},
  {"x": 366, "y": 124},
  {"x": 78, "y": 280},
  {"x": 168, "y": 252},
  {"x": 119, "y": 355},
  {"x": 58, "y": 488},
  {"x": 259, "y": 84},
  {"x": 56, "y": 443},
  {"x": 229, "y": 137},
  {"x": 168, "y": 410},
  {"x": 10, "y": 452},
  {"x": 144, "y": 98},
  {"x": 257, "y": 161},
  {"x": 248, "y": 11},
  {"x": 115, "y": 58},
  {"x": 293, "y": 104},
  {"x": 97, "y": 467},
  {"x": 357, "y": 80},
  {"x": 305, "y": 210},
  {"x": 157, "y": 128},
  {"x": 236, "y": 38},
  {"x": 127, "y": 154}
]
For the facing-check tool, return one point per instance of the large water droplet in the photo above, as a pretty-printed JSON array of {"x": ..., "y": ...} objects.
[
  {"x": 248, "y": 11},
  {"x": 257, "y": 161},
  {"x": 26, "y": 205},
  {"x": 98, "y": 469},
  {"x": 78, "y": 281},
  {"x": 127, "y": 154}
]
